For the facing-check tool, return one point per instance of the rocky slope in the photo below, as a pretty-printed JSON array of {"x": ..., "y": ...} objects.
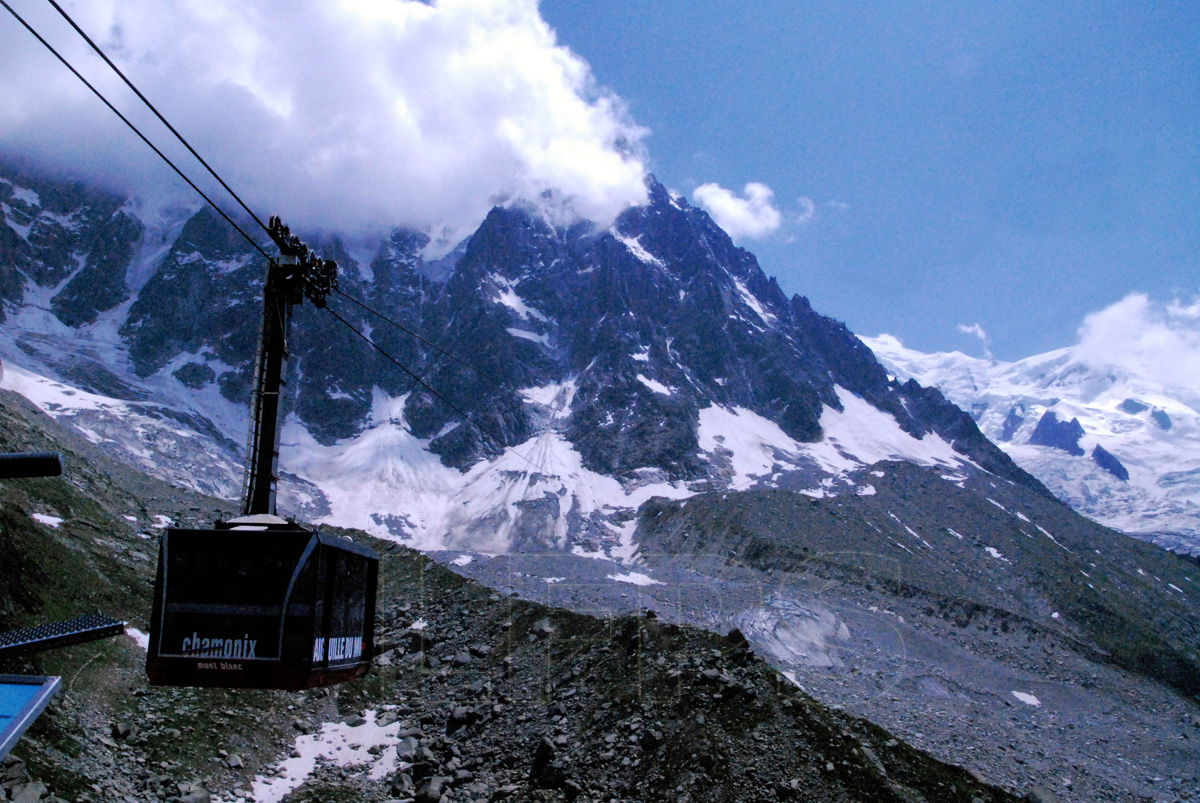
[
  {"x": 987, "y": 623},
  {"x": 481, "y": 697}
]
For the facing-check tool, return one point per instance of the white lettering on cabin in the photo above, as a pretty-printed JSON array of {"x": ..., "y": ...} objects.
[
  {"x": 338, "y": 648},
  {"x": 201, "y": 647},
  {"x": 219, "y": 665}
]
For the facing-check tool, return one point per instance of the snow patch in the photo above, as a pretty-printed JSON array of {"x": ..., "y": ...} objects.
[
  {"x": 507, "y": 296},
  {"x": 49, "y": 521},
  {"x": 26, "y": 196},
  {"x": 791, "y": 676},
  {"x": 861, "y": 434},
  {"x": 636, "y": 578},
  {"x": 1046, "y": 533},
  {"x": 368, "y": 745},
  {"x": 657, "y": 387},
  {"x": 858, "y": 435},
  {"x": 1027, "y": 698},
  {"x": 910, "y": 530},
  {"x": 636, "y": 248},
  {"x": 755, "y": 445},
  {"x": 141, "y": 639},
  {"x": 557, "y": 395},
  {"x": 22, "y": 229},
  {"x": 524, "y": 335},
  {"x": 753, "y": 303},
  {"x": 995, "y": 553}
]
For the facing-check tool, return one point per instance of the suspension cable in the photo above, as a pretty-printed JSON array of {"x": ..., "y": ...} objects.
[
  {"x": 157, "y": 114},
  {"x": 406, "y": 330},
  {"x": 133, "y": 128},
  {"x": 464, "y": 414}
]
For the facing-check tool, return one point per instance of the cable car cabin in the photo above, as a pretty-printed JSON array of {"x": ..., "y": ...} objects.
[{"x": 261, "y": 603}]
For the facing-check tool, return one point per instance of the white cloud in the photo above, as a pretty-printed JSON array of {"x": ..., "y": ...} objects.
[
  {"x": 349, "y": 115},
  {"x": 808, "y": 210},
  {"x": 749, "y": 217},
  {"x": 979, "y": 332},
  {"x": 1145, "y": 338}
]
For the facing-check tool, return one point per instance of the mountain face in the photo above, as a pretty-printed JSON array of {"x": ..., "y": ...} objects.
[
  {"x": 1116, "y": 446},
  {"x": 651, "y": 424},
  {"x": 597, "y": 369},
  {"x": 480, "y": 697}
]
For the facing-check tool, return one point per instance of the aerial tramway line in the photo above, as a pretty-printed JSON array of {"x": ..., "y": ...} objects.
[{"x": 259, "y": 601}]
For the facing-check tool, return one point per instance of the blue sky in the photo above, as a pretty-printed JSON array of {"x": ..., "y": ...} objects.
[
  {"x": 1016, "y": 165},
  {"x": 918, "y": 167}
]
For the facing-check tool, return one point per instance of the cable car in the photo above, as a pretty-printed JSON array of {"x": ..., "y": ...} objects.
[{"x": 259, "y": 601}]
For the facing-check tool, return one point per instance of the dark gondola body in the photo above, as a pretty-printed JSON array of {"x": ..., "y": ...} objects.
[{"x": 271, "y": 606}]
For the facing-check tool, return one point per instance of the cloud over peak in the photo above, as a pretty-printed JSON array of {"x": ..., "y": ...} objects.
[
  {"x": 751, "y": 216},
  {"x": 1143, "y": 337},
  {"x": 975, "y": 330},
  {"x": 339, "y": 115}
]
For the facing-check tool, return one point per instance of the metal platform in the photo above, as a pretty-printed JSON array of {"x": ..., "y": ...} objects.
[
  {"x": 59, "y": 634},
  {"x": 22, "y": 698}
]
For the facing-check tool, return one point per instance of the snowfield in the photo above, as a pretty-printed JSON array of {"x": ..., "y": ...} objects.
[
  {"x": 1152, "y": 429},
  {"x": 535, "y": 495}
]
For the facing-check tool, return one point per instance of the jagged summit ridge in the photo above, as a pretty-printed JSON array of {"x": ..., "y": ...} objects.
[{"x": 598, "y": 368}]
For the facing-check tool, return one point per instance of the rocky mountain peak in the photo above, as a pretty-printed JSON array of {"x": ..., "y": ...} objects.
[{"x": 653, "y": 356}]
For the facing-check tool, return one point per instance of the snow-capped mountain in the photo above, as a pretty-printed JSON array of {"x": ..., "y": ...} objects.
[
  {"x": 599, "y": 368},
  {"x": 641, "y": 393},
  {"x": 1116, "y": 445}
]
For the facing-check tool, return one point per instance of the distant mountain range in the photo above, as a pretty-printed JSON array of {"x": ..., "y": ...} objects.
[{"x": 1117, "y": 446}]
